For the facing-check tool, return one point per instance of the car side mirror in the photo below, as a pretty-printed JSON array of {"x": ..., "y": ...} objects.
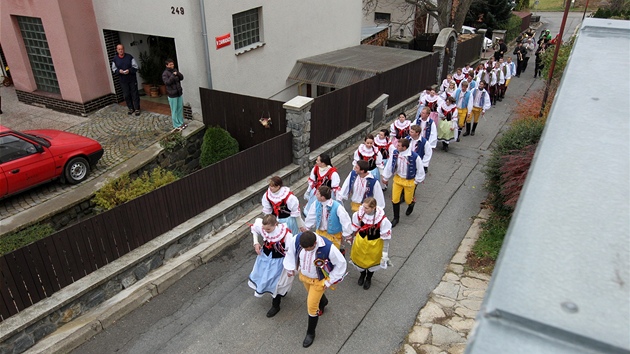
[{"x": 39, "y": 148}]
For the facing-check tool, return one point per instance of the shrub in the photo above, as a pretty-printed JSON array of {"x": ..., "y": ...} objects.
[
  {"x": 561, "y": 62},
  {"x": 217, "y": 145},
  {"x": 513, "y": 28},
  {"x": 124, "y": 189},
  {"x": 522, "y": 133},
  {"x": 19, "y": 239},
  {"x": 172, "y": 141}
]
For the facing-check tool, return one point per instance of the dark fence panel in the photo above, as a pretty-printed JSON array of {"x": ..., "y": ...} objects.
[
  {"x": 36, "y": 271},
  {"x": 240, "y": 115},
  {"x": 468, "y": 51},
  {"x": 341, "y": 110}
]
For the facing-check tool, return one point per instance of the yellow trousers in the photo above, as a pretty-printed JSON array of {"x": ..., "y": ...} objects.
[
  {"x": 408, "y": 186},
  {"x": 507, "y": 82},
  {"x": 354, "y": 206},
  {"x": 462, "y": 113},
  {"x": 334, "y": 238},
  {"x": 474, "y": 115},
  {"x": 315, "y": 289}
]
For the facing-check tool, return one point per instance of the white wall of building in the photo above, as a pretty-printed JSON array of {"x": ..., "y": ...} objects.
[
  {"x": 402, "y": 16},
  {"x": 290, "y": 30}
]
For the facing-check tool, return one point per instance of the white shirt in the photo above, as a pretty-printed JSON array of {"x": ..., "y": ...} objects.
[
  {"x": 307, "y": 259},
  {"x": 432, "y": 138},
  {"x": 358, "y": 190},
  {"x": 428, "y": 151},
  {"x": 476, "y": 98},
  {"x": 292, "y": 202},
  {"x": 377, "y": 216},
  {"x": 401, "y": 167},
  {"x": 342, "y": 214}
]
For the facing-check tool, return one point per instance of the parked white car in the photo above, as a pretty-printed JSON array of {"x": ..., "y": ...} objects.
[{"x": 487, "y": 42}]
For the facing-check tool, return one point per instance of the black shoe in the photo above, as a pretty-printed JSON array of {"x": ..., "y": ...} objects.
[
  {"x": 273, "y": 311},
  {"x": 410, "y": 209},
  {"x": 137, "y": 112},
  {"x": 394, "y": 222},
  {"x": 362, "y": 278},
  {"x": 343, "y": 251},
  {"x": 472, "y": 133},
  {"x": 367, "y": 284},
  {"x": 130, "y": 112},
  {"x": 308, "y": 340},
  {"x": 445, "y": 147}
]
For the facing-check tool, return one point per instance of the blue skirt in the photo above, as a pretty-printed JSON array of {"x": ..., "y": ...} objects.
[
  {"x": 266, "y": 274},
  {"x": 291, "y": 224},
  {"x": 311, "y": 199},
  {"x": 376, "y": 174}
]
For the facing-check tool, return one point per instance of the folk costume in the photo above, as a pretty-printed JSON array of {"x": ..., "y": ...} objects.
[
  {"x": 269, "y": 275},
  {"x": 480, "y": 101},
  {"x": 327, "y": 176},
  {"x": 361, "y": 188},
  {"x": 462, "y": 100},
  {"x": 429, "y": 129},
  {"x": 423, "y": 149},
  {"x": 448, "y": 126},
  {"x": 372, "y": 156},
  {"x": 330, "y": 220},
  {"x": 431, "y": 102},
  {"x": 285, "y": 206},
  {"x": 383, "y": 147},
  {"x": 398, "y": 130},
  {"x": 407, "y": 171},
  {"x": 318, "y": 269},
  {"x": 370, "y": 246},
  {"x": 459, "y": 77}
]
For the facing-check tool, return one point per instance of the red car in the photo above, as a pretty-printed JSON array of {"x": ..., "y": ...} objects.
[{"x": 32, "y": 157}]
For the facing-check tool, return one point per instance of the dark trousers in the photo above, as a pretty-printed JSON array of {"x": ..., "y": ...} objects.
[
  {"x": 493, "y": 93},
  {"x": 519, "y": 67},
  {"x": 524, "y": 65},
  {"x": 501, "y": 92},
  {"x": 130, "y": 93}
]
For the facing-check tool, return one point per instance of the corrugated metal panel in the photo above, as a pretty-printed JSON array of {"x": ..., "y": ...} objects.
[
  {"x": 345, "y": 67},
  {"x": 562, "y": 283}
]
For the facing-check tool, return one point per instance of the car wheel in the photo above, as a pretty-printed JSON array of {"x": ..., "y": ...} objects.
[{"x": 77, "y": 170}]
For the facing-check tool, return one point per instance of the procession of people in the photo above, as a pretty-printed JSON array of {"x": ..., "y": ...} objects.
[{"x": 309, "y": 242}]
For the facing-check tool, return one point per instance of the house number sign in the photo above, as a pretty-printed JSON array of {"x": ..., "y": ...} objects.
[{"x": 177, "y": 10}]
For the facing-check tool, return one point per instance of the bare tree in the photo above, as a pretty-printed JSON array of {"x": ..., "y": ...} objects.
[{"x": 447, "y": 13}]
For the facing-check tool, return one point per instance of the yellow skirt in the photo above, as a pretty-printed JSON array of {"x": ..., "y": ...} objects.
[{"x": 366, "y": 253}]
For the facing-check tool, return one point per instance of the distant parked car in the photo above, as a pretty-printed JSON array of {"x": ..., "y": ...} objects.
[
  {"x": 487, "y": 42},
  {"x": 33, "y": 157}
]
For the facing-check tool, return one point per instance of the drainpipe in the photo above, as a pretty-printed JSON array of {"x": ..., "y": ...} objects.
[{"x": 204, "y": 35}]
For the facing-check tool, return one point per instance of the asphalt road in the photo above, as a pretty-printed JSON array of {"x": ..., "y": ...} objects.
[{"x": 213, "y": 310}]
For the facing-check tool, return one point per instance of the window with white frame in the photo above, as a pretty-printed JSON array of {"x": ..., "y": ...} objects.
[
  {"x": 246, "y": 28},
  {"x": 38, "y": 53}
]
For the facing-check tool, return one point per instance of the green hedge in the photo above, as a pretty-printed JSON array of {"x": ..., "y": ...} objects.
[
  {"x": 513, "y": 28},
  {"x": 217, "y": 145},
  {"x": 14, "y": 241}
]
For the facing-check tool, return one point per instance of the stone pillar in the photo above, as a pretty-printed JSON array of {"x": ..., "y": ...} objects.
[
  {"x": 376, "y": 111},
  {"x": 299, "y": 124}
]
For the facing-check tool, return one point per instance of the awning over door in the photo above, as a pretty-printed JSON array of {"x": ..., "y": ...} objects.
[{"x": 346, "y": 66}]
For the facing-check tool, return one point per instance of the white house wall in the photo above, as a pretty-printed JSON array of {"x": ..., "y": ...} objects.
[
  {"x": 290, "y": 30},
  {"x": 402, "y": 16}
]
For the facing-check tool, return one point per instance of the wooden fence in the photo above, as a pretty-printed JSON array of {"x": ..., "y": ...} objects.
[
  {"x": 240, "y": 115},
  {"x": 468, "y": 51},
  {"x": 40, "y": 269},
  {"x": 341, "y": 110}
]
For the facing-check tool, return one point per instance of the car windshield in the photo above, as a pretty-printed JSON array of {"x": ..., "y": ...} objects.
[{"x": 40, "y": 139}]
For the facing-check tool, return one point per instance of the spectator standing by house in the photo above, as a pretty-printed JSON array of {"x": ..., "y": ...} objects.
[
  {"x": 360, "y": 184},
  {"x": 124, "y": 65},
  {"x": 405, "y": 167},
  {"x": 172, "y": 79},
  {"x": 319, "y": 265},
  {"x": 370, "y": 246},
  {"x": 280, "y": 201},
  {"x": 269, "y": 275}
]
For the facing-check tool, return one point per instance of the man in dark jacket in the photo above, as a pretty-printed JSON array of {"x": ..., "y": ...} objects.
[
  {"x": 125, "y": 66},
  {"x": 521, "y": 54},
  {"x": 172, "y": 78},
  {"x": 498, "y": 54}
]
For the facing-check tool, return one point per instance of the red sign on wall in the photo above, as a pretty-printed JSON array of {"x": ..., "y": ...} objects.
[{"x": 223, "y": 41}]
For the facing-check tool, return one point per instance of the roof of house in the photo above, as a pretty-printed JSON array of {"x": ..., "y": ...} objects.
[{"x": 347, "y": 66}]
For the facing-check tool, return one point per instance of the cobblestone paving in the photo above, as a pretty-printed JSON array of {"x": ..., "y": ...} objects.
[{"x": 122, "y": 136}]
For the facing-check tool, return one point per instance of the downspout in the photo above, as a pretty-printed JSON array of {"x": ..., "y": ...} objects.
[{"x": 204, "y": 35}]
